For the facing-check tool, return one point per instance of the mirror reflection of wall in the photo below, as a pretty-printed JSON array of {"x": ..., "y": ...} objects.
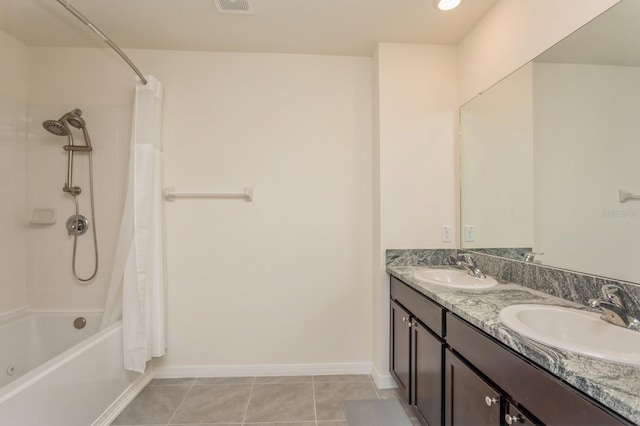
[
  {"x": 497, "y": 157},
  {"x": 545, "y": 152}
]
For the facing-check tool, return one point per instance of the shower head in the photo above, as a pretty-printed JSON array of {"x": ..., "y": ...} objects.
[
  {"x": 75, "y": 119},
  {"x": 58, "y": 128}
]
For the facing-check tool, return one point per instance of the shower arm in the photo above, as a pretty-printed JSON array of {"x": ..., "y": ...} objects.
[{"x": 88, "y": 23}]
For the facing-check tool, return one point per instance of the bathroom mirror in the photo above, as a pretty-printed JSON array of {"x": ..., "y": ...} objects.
[{"x": 546, "y": 152}]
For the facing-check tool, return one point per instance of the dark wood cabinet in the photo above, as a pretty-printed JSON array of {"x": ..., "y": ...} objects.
[
  {"x": 465, "y": 377},
  {"x": 427, "y": 364},
  {"x": 540, "y": 393},
  {"x": 514, "y": 416},
  {"x": 469, "y": 400},
  {"x": 417, "y": 352},
  {"x": 400, "y": 354}
]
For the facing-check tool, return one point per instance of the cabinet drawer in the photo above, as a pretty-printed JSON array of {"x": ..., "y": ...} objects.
[
  {"x": 552, "y": 401},
  {"x": 428, "y": 312}
]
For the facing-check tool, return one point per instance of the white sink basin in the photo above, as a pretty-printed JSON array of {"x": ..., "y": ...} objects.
[
  {"x": 452, "y": 278},
  {"x": 577, "y": 331}
]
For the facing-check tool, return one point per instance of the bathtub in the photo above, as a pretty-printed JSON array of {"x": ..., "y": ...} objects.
[{"x": 54, "y": 374}]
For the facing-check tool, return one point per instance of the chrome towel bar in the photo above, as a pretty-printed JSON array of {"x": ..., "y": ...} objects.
[
  {"x": 624, "y": 196},
  {"x": 170, "y": 194}
]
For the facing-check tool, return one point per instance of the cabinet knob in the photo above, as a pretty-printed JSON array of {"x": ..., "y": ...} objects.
[
  {"x": 491, "y": 401},
  {"x": 512, "y": 420},
  {"x": 405, "y": 319},
  {"x": 414, "y": 324}
]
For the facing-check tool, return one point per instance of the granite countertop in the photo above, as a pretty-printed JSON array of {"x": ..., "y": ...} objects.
[{"x": 616, "y": 386}]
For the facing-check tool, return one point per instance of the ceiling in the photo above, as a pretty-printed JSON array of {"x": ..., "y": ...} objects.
[{"x": 335, "y": 27}]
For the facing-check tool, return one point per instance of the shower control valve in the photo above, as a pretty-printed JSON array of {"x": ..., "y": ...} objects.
[{"x": 77, "y": 225}]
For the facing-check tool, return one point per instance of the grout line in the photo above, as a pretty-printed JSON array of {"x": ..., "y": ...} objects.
[
  {"x": 296, "y": 422},
  {"x": 375, "y": 389},
  {"x": 315, "y": 410},
  {"x": 181, "y": 401},
  {"x": 246, "y": 410}
]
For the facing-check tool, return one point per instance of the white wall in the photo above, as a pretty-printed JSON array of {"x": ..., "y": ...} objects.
[
  {"x": 13, "y": 173},
  {"x": 586, "y": 149},
  {"x": 512, "y": 34},
  {"x": 282, "y": 280},
  {"x": 285, "y": 279},
  {"x": 416, "y": 117},
  {"x": 496, "y": 136},
  {"x": 61, "y": 80}
]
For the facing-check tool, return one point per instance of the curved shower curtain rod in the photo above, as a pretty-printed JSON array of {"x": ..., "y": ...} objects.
[{"x": 106, "y": 39}]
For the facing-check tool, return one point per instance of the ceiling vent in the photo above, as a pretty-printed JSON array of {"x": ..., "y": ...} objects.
[{"x": 234, "y": 6}]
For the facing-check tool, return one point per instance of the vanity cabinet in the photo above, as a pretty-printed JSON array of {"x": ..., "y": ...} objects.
[
  {"x": 469, "y": 399},
  {"x": 550, "y": 400},
  {"x": 466, "y": 377},
  {"x": 417, "y": 351},
  {"x": 400, "y": 355}
]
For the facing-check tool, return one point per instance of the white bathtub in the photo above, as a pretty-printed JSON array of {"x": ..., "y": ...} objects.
[{"x": 61, "y": 375}]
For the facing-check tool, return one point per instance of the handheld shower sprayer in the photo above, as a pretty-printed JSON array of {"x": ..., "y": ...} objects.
[
  {"x": 75, "y": 119},
  {"x": 61, "y": 127}
]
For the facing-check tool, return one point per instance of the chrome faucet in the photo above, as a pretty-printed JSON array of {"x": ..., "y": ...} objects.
[
  {"x": 614, "y": 308},
  {"x": 531, "y": 257},
  {"x": 467, "y": 261}
]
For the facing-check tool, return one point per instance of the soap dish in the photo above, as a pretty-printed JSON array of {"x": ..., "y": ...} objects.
[{"x": 44, "y": 216}]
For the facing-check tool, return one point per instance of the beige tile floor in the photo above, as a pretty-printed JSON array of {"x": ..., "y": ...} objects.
[{"x": 269, "y": 401}]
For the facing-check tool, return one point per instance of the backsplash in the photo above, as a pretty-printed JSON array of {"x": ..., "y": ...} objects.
[
  {"x": 419, "y": 257},
  {"x": 568, "y": 285}
]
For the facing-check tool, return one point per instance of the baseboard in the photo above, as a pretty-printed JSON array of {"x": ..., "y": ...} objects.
[
  {"x": 261, "y": 370},
  {"x": 124, "y": 399},
  {"x": 383, "y": 381}
]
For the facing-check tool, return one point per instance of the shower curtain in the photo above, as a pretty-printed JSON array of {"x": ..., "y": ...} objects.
[{"x": 136, "y": 288}]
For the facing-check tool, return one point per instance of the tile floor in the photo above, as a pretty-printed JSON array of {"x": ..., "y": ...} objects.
[{"x": 269, "y": 401}]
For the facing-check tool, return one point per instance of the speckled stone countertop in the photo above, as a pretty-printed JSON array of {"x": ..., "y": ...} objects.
[{"x": 616, "y": 386}]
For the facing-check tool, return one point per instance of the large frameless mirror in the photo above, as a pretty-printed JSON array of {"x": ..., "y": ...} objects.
[{"x": 547, "y": 152}]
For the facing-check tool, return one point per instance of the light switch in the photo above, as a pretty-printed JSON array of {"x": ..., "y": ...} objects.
[
  {"x": 469, "y": 233},
  {"x": 447, "y": 233}
]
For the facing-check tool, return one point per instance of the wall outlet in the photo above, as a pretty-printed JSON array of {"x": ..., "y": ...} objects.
[
  {"x": 447, "y": 233},
  {"x": 469, "y": 233}
]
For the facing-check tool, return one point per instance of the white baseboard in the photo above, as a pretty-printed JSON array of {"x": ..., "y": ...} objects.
[
  {"x": 383, "y": 381},
  {"x": 124, "y": 399},
  {"x": 261, "y": 370}
]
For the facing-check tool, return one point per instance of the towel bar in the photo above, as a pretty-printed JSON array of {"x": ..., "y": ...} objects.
[
  {"x": 170, "y": 194},
  {"x": 624, "y": 196}
]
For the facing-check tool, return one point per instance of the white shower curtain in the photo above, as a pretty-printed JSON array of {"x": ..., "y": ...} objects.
[{"x": 136, "y": 288}]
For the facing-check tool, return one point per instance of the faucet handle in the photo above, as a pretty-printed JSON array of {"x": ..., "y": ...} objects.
[
  {"x": 467, "y": 257},
  {"x": 531, "y": 256},
  {"x": 613, "y": 294}
]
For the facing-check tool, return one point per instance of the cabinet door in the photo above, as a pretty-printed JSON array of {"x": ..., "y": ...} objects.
[
  {"x": 399, "y": 356},
  {"x": 427, "y": 386},
  {"x": 469, "y": 400},
  {"x": 513, "y": 416}
]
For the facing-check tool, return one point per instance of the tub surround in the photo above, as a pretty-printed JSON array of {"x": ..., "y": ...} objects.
[{"x": 614, "y": 385}]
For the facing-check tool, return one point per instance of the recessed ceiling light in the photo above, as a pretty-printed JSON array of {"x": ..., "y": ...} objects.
[{"x": 446, "y": 4}]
